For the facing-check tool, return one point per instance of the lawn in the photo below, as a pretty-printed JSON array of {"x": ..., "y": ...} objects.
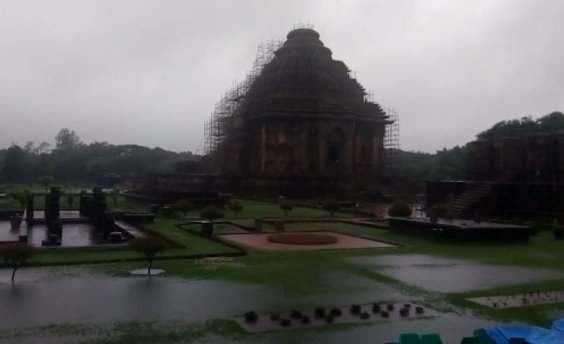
[{"x": 299, "y": 274}]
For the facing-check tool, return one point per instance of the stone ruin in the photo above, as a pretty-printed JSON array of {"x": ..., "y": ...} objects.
[{"x": 302, "y": 126}]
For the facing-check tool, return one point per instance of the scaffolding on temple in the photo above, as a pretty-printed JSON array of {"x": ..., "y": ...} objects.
[
  {"x": 222, "y": 120},
  {"x": 391, "y": 139}
]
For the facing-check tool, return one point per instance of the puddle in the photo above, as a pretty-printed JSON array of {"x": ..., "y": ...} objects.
[
  {"x": 145, "y": 272},
  {"x": 34, "y": 301},
  {"x": 454, "y": 275},
  {"x": 58, "y": 295}
]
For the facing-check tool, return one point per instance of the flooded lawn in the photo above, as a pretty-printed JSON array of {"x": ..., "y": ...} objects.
[
  {"x": 57, "y": 295},
  {"x": 454, "y": 275},
  {"x": 40, "y": 299}
]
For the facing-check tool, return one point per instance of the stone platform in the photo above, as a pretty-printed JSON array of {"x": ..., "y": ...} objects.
[{"x": 460, "y": 229}]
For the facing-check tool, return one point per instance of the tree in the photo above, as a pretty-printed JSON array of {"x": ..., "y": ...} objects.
[
  {"x": 211, "y": 213},
  {"x": 115, "y": 197},
  {"x": 46, "y": 181},
  {"x": 70, "y": 199},
  {"x": 331, "y": 205},
  {"x": 13, "y": 167},
  {"x": 286, "y": 207},
  {"x": 16, "y": 255},
  {"x": 236, "y": 207},
  {"x": 183, "y": 206},
  {"x": 149, "y": 247},
  {"x": 67, "y": 140},
  {"x": 20, "y": 197}
]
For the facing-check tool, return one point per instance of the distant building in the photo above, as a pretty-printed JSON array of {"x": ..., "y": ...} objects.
[
  {"x": 511, "y": 176},
  {"x": 536, "y": 158}
]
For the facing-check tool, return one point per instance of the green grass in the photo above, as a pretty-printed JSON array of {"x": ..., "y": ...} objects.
[
  {"x": 296, "y": 271},
  {"x": 254, "y": 209}
]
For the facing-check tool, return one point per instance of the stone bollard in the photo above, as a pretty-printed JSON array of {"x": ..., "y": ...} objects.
[
  {"x": 15, "y": 221},
  {"x": 258, "y": 225},
  {"x": 207, "y": 228}
]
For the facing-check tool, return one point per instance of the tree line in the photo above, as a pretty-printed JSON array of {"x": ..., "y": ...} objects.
[
  {"x": 452, "y": 164},
  {"x": 73, "y": 160}
]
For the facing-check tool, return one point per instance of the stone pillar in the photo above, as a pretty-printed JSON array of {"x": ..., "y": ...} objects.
[
  {"x": 376, "y": 163},
  {"x": 262, "y": 147},
  {"x": 29, "y": 209}
]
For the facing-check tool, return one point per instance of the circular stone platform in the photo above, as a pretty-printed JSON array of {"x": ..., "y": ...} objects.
[{"x": 305, "y": 239}]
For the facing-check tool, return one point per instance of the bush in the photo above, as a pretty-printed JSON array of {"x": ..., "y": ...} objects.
[
  {"x": 236, "y": 207},
  {"x": 319, "y": 312},
  {"x": 286, "y": 207},
  {"x": 251, "y": 317},
  {"x": 400, "y": 210},
  {"x": 211, "y": 213},
  {"x": 279, "y": 226},
  {"x": 16, "y": 255},
  {"x": 184, "y": 206},
  {"x": 331, "y": 205},
  {"x": 558, "y": 232}
]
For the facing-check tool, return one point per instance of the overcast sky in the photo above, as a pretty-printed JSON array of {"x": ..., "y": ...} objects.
[{"x": 149, "y": 72}]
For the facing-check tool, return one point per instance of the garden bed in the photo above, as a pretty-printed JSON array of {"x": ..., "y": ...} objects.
[
  {"x": 322, "y": 316},
  {"x": 343, "y": 241}
]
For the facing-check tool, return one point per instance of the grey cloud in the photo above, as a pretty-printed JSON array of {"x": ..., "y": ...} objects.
[{"x": 149, "y": 72}]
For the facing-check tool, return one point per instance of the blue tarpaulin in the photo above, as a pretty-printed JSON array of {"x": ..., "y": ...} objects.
[{"x": 532, "y": 334}]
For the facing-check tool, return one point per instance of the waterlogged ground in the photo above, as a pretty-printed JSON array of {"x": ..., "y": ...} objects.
[
  {"x": 80, "y": 305},
  {"x": 454, "y": 275}
]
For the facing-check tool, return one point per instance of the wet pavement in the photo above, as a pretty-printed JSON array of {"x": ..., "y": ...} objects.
[
  {"x": 38, "y": 299},
  {"x": 65, "y": 295},
  {"x": 454, "y": 275}
]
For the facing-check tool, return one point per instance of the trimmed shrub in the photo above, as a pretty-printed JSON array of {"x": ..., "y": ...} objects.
[
  {"x": 331, "y": 205},
  {"x": 400, "y": 210},
  {"x": 335, "y": 312},
  {"x": 355, "y": 309},
  {"x": 251, "y": 317},
  {"x": 558, "y": 232},
  {"x": 236, "y": 207},
  {"x": 167, "y": 211},
  {"x": 285, "y": 322},
  {"x": 286, "y": 207},
  {"x": 295, "y": 314},
  {"x": 211, "y": 213},
  {"x": 376, "y": 308},
  {"x": 183, "y": 206},
  {"x": 319, "y": 312},
  {"x": 279, "y": 226}
]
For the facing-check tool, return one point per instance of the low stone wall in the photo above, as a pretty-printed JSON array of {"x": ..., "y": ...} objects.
[{"x": 460, "y": 230}]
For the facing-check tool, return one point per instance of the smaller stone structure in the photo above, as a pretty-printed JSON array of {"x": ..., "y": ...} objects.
[{"x": 509, "y": 176}]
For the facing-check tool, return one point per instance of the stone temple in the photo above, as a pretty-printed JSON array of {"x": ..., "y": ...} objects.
[{"x": 300, "y": 126}]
